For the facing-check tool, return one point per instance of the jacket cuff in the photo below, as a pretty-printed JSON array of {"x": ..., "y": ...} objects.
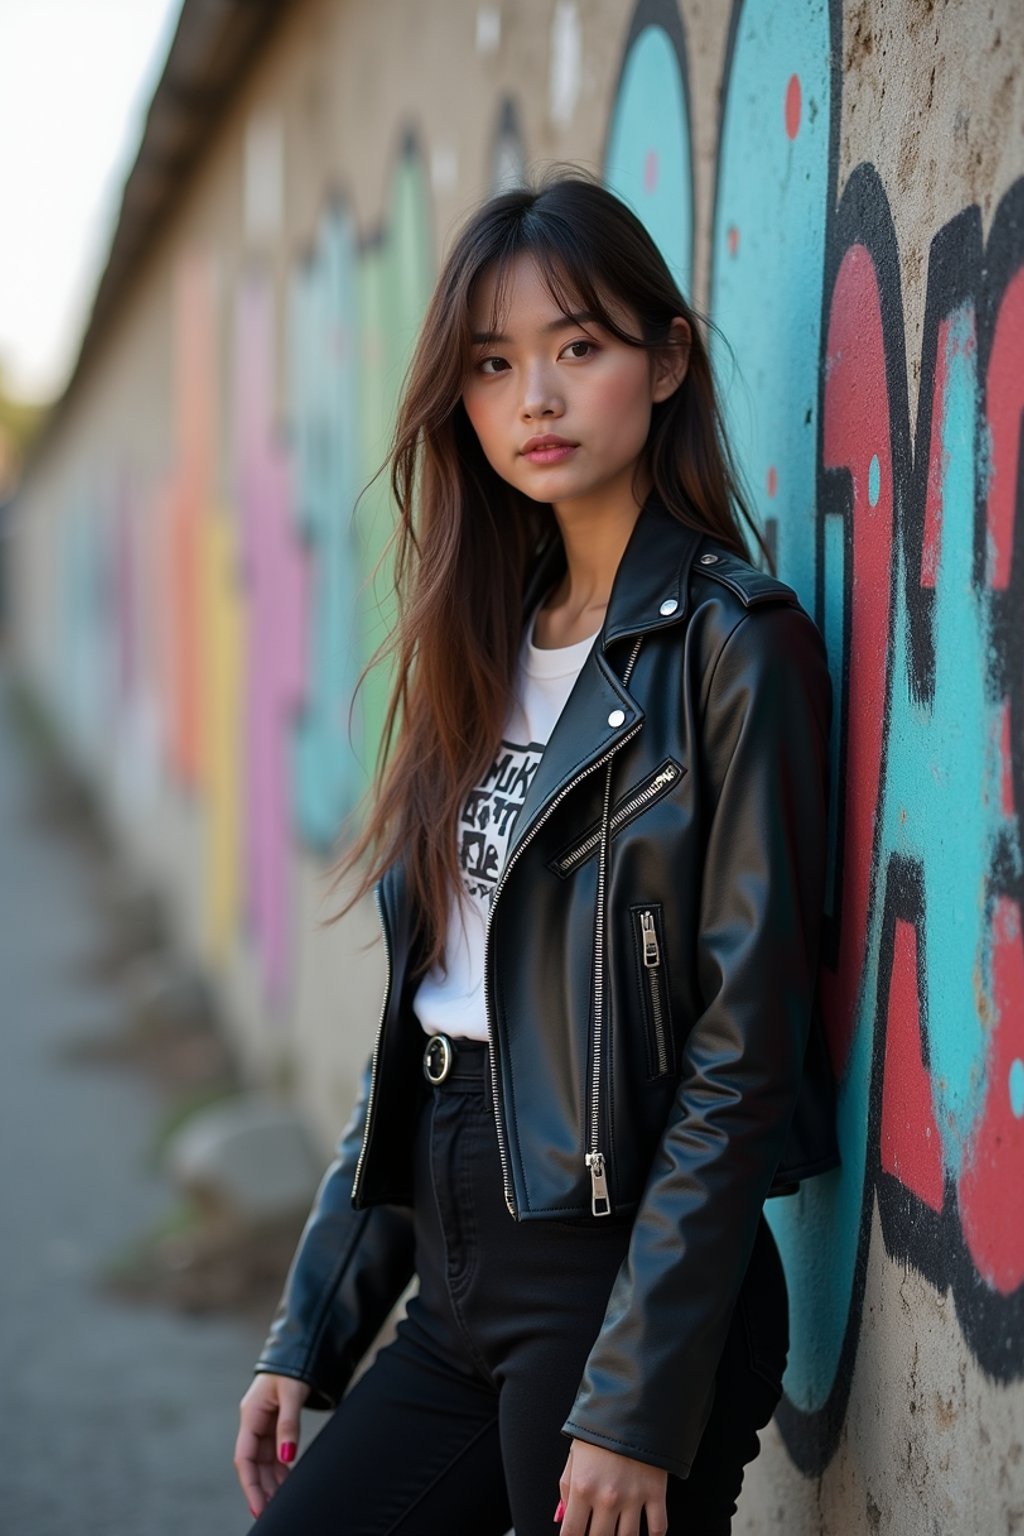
[
  {"x": 626, "y": 1448},
  {"x": 318, "y": 1399}
]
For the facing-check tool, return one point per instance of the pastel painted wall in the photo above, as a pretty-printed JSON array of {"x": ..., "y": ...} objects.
[{"x": 842, "y": 187}]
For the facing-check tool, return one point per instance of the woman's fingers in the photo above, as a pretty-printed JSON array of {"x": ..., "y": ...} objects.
[
  {"x": 657, "y": 1517},
  {"x": 609, "y": 1516},
  {"x": 269, "y": 1471},
  {"x": 291, "y": 1395},
  {"x": 565, "y": 1481},
  {"x": 248, "y": 1464},
  {"x": 268, "y": 1436},
  {"x": 611, "y": 1492}
]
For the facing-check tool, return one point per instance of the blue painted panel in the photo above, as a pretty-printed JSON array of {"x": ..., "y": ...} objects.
[
  {"x": 648, "y": 156},
  {"x": 768, "y": 262}
]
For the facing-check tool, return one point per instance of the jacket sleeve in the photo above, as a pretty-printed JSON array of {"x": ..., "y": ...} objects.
[
  {"x": 349, "y": 1269},
  {"x": 648, "y": 1384}
]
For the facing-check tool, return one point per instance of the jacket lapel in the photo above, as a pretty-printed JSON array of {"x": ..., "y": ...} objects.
[
  {"x": 649, "y": 592},
  {"x": 584, "y": 733}
]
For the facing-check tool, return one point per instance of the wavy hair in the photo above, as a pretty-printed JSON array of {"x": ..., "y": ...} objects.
[{"x": 461, "y": 530}]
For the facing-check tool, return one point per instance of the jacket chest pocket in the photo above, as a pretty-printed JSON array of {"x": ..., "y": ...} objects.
[
  {"x": 652, "y": 980},
  {"x": 631, "y": 804}
]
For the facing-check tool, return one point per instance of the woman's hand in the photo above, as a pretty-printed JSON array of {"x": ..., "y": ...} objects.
[
  {"x": 268, "y": 1439},
  {"x": 606, "y": 1487}
]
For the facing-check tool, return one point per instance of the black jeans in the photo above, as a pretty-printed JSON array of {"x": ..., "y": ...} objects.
[{"x": 456, "y": 1426}]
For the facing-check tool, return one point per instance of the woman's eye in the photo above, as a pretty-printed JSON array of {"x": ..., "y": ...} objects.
[
  {"x": 485, "y": 362},
  {"x": 588, "y": 347}
]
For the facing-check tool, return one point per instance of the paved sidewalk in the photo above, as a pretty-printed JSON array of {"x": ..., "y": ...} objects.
[{"x": 118, "y": 1419}]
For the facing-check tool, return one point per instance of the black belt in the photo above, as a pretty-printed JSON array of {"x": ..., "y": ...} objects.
[{"x": 449, "y": 1060}]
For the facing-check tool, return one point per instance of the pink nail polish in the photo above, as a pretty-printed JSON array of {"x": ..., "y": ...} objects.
[
  {"x": 288, "y": 1450},
  {"x": 560, "y": 1512}
]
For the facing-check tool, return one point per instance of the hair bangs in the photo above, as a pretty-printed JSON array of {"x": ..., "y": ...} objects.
[{"x": 570, "y": 272}]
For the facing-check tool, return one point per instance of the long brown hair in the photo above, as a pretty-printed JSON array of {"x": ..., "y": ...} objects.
[{"x": 462, "y": 532}]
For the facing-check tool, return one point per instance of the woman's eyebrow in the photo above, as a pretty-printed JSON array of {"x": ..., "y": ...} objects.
[{"x": 583, "y": 317}]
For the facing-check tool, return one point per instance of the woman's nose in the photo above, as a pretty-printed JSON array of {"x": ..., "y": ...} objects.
[{"x": 540, "y": 396}]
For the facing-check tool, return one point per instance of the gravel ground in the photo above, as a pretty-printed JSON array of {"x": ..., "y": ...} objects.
[{"x": 119, "y": 1418}]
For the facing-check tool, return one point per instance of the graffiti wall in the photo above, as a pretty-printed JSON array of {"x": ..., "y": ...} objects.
[{"x": 822, "y": 178}]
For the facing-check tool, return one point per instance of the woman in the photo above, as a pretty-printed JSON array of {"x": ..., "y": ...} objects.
[{"x": 598, "y": 853}]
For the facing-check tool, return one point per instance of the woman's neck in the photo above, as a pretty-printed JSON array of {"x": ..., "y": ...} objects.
[{"x": 594, "y": 545}]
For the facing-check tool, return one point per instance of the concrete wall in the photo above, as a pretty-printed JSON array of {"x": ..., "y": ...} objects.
[{"x": 843, "y": 186}]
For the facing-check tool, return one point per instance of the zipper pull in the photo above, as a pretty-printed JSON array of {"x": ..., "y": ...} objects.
[
  {"x": 652, "y": 954},
  {"x": 600, "y": 1204}
]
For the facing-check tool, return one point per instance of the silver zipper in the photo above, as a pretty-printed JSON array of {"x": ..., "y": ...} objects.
[
  {"x": 600, "y": 1203},
  {"x": 584, "y": 849},
  {"x": 594, "y": 1159},
  {"x": 377, "y": 1044},
  {"x": 652, "y": 964}
]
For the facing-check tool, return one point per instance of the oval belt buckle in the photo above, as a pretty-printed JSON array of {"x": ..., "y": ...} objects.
[{"x": 438, "y": 1058}]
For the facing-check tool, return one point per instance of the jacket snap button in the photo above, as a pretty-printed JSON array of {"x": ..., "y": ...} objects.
[
  {"x": 668, "y": 606},
  {"x": 709, "y": 559},
  {"x": 617, "y": 717}
]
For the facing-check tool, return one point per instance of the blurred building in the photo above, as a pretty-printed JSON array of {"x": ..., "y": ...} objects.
[
  {"x": 19, "y": 424},
  {"x": 840, "y": 185}
]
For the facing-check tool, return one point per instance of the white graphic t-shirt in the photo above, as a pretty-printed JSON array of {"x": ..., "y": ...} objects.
[{"x": 454, "y": 1004}]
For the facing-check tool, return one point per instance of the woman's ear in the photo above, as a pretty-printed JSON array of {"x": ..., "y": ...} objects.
[{"x": 672, "y": 361}]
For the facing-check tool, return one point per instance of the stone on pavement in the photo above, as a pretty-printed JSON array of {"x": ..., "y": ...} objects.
[{"x": 249, "y": 1156}]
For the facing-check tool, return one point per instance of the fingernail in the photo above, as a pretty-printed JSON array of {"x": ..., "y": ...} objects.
[
  {"x": 288, "y": 1451},
  {"x": 560, "y": 1512}
]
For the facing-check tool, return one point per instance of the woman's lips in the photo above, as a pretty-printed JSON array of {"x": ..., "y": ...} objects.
[{"x": 548, "y": 450}]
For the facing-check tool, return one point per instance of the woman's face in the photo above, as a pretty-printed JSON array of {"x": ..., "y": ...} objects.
[{"x": 571, "y": 381}]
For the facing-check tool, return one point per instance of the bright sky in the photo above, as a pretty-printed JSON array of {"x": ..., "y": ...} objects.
[{"x": 76, "y": 78}]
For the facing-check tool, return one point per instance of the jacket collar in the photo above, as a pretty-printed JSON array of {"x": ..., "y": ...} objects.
[
  {"x": 651, "y": 586},
  {"x": 650, "y": 592}
]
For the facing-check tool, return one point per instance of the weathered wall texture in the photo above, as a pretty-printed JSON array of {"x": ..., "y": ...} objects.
[{"x": 843, "y": 188}]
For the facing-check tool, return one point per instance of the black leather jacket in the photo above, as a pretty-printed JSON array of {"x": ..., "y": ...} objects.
[{"x": 651, "y": 990}]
